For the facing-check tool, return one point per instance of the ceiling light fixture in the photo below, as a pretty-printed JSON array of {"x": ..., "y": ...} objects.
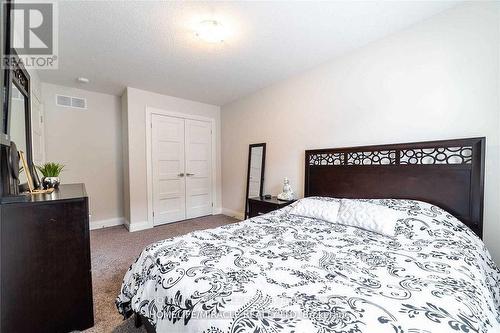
[
  {"x": 211, "y": 31},
  {"x": 82, "y": 79}
]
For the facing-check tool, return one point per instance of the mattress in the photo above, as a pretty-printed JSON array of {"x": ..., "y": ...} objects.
[{"x": 285, "y": 273}]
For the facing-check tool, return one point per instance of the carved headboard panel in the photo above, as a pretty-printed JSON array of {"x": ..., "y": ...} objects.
[{"x": 449, "y": 174}]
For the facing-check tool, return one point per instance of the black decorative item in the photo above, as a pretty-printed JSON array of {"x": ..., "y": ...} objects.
[
  {"x": 36, "y": 179},
  {"x": 50, "y": 182},
  {"x": 13, "y": 167},
  {"x": 14, "y": 161}
]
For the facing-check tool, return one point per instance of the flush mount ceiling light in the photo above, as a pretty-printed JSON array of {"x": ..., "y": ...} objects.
[
  {"x": 82, "y": 79},
  {"x": 211, "y": 31}
]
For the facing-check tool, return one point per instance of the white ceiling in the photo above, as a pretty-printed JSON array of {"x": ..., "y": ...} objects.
[{"x": 151, "y": 45}]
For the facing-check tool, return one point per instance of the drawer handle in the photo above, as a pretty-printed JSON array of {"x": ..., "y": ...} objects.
[{"x": 52, "y": 220}]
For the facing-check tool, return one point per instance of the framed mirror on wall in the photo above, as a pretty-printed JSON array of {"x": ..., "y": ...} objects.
[
  {"x": 17, "y": 127},
  {"x": 255, "y": 172},
  {"x": 18, "y": 121},
  {"x": 5, "y": 33}
]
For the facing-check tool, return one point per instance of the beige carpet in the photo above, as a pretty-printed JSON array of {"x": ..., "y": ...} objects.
[{"x": 113, "y": 250}]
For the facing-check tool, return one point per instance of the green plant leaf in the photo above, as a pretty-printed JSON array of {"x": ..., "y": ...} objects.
[{"x": 50, "y": 169}]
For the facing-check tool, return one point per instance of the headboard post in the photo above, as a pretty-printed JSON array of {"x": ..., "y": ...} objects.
[{"x": 447, "y": 173}]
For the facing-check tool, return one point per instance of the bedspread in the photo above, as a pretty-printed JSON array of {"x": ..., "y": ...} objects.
[{"x": 284, "y": 273}]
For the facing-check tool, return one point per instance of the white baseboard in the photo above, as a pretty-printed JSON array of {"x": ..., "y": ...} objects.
[
  {"x": 233, "y": 213},
  {"x": 137, "y": 226},
  {"x": 146, "y": 225},
  {"x": 106, "y": 223}
]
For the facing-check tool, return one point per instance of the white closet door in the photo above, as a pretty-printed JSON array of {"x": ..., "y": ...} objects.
[
  {"x": 198, "y": 168},
  {"x": 169, "y": 182}
]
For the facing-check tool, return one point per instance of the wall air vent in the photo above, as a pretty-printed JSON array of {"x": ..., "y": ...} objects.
[{"x": 71, "y": 102}]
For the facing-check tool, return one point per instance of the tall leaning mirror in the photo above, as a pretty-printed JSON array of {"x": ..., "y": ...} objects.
[{"x": 255, "y": 174}]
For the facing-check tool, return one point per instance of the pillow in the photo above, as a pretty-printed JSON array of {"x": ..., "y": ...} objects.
[
  {"x": 325, "y": 209},
  {"x": 369, "y": 216}
]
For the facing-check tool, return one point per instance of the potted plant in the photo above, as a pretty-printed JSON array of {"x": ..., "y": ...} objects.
[{"x": 50, "y": 172}]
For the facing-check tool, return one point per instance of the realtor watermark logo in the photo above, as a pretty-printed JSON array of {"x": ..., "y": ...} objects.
[{"x": 34, "y": 37}]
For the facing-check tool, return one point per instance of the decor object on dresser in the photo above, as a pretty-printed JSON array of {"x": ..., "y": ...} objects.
[
  {"x": 255, "y": 172},
  {"x": 50, "y": 172},
  {"x": 13, "y": 160},
  {"x": 31, "y": 185},
  {"x": 287, "y": 193},
  {"x": 45, "y": 272},
  {"x": 259, "y": 205}
]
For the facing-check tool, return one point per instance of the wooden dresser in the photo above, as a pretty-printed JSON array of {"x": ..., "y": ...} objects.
[{"x": 46, "y": 283}]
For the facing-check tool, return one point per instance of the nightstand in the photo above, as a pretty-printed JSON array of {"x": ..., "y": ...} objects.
[{"x": 258, "y": 205}]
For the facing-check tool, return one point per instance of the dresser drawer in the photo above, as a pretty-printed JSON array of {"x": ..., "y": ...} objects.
[{"x": 260, "y": 206}]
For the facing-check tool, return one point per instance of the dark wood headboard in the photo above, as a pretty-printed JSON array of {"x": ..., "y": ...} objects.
[{"x": 448, "y": 174}]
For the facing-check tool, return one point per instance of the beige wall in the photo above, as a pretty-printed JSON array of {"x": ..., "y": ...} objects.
[
  {"x": 89, "y": 143},
  {"x": 436, "y": 80},
  {"x": 136, "y": 101}
]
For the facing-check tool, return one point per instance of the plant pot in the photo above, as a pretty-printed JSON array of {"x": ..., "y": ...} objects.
[{"x": 50, "y": 182}]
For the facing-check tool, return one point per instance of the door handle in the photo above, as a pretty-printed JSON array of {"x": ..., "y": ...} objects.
[
  {"x": 189, "y": 174},
  {"x": 181, "y": 174}
]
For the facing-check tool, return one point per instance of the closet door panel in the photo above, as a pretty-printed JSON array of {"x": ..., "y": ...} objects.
[
  {"x": 198, "y": 168},
  {"x": 169, "y": 182}
]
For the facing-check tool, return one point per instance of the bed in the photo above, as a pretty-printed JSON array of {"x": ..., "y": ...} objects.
[{"x": 282, "y": 272}]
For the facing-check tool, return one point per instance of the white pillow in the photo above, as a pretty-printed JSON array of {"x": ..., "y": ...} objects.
[
  {"x": 368, "y": 216},
  {"x": 325, "y": 209}
]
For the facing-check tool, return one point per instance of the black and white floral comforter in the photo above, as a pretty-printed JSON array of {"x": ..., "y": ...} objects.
[{"x": 283, "y": 273}]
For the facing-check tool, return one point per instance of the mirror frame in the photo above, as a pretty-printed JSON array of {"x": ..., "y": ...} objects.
[
  {"x": 6, "y": 37},
  {"x": 19, "y": 77},
  {"x": 255, "y": 145}
]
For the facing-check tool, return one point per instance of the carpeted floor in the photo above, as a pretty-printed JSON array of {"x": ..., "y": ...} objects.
[{"x": 113, "y": 250}]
